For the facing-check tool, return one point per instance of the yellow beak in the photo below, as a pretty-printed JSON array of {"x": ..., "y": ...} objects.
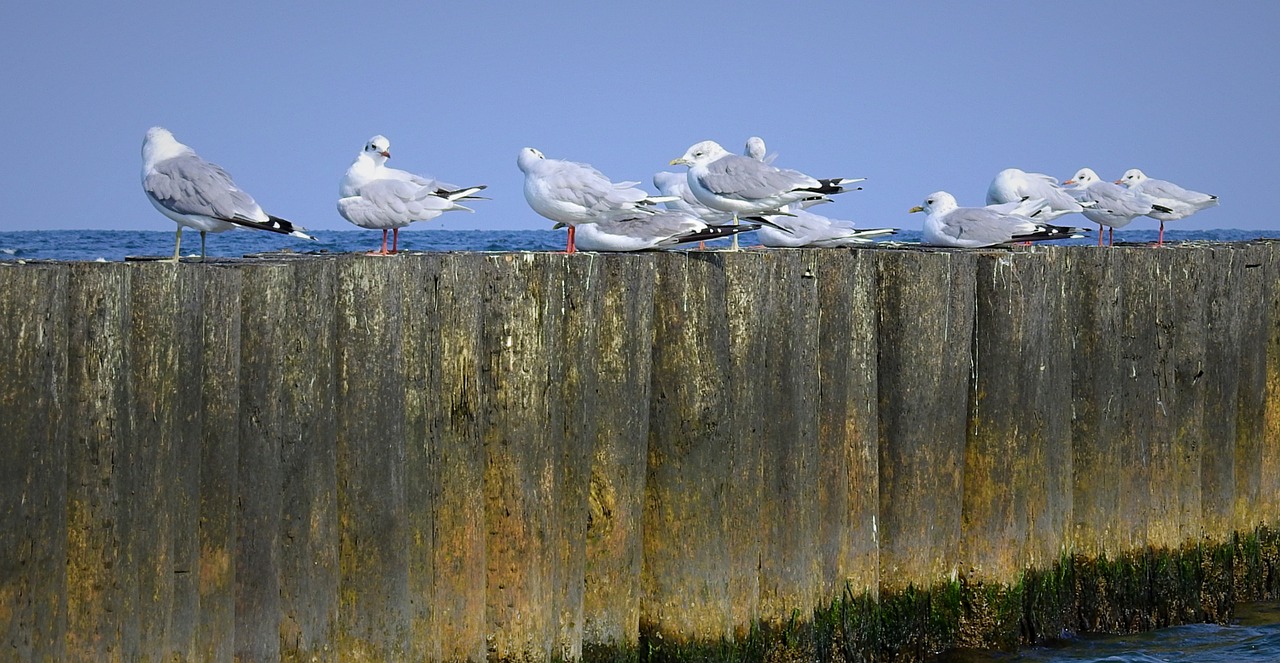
[
  {"x": 915, "y": 209},
  {"x": 677, "y": 162}
]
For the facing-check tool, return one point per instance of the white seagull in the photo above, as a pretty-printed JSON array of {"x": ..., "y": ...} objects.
[
  {"x": 373, "y": 196},
  {"x": 756, "y": 150},
  {"x": 1180, "y": 202},
  {"x": 198, "y": 194},
  {"x": 642, "y": 231},
  {"x": 676, "y": 187},
  {"x": 746, "y": 187},
  {"x": 802, "y": 228},
  {"x": 948, "y": 224},
  {"x": 1111, "y": 205},
  {"x": 1012, "y": 185},
  {"x": 575, "y": 194}
]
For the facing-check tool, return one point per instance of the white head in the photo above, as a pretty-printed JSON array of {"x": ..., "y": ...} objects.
[
  {"x": 755, "y": 148},
  {"x": 378, "y": 148},
  {"x": 1132, "y": 177},
  {"x": 701, "y": 154},
  {"x": 938, "y": 202},
  {"x": 160, "y": 145},
  {"x": 528, "y": 158},
  {"x": 1083, "y": 177}
]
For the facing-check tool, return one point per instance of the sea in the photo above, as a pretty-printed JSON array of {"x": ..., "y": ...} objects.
[
  {"x": 1254, "y": 636},
  {"x": 117, "y": 245}
]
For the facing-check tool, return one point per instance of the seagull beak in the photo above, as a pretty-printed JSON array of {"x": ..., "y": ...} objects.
[
  {"x": 677, "y": 162},
  {"x": 1119, "y": 181},
  {"x": 386, "y": 153},
  {"x": 1069, "y": 182},
  {"x": 915, "y": 209}
]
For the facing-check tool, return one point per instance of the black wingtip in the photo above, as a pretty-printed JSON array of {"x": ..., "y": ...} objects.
[{"x": 1161, "y": 208}]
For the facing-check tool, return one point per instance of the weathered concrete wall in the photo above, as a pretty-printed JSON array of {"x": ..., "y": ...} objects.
[{"x": 463, "y": 456}]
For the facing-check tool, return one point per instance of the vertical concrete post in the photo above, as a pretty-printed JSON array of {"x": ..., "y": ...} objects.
[
  {"x": 373, "y": 612},
  {"x": 218, "y": 382},
  {"x": 848, "y": 435},
  {"x": 687, "y": 574},
  {"x": 610, "y": 320},
  {"x": 445, "y": 460},
  {"x": 1017, "y": 482},
  {"x": 99, "y": 581},
  {"x": 925, "y": 340},
  {"x": 33, "y": 463}
]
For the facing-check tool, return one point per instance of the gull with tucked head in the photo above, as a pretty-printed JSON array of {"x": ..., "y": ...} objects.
[
  {"x": 574, "y": 193},
  {"x": 1013, "y": 185}
]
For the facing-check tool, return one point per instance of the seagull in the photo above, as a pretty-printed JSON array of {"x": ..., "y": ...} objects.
[
  {"x": 371, "y": 195},
  {"x": 676, "y": 186},
  {"x": 1112, "y": 205},
  {"x": 575, "y": 193},
  {"x": 743, "y": 186},
  {"x": 756, "y": 150},
  {"x": 1180, "y": 202},
  {"x": 198, "y": 194},
  {"x": 948, "y": 224},
  {"x": 802, "y": 228},
  {"x": 642, "y": 231},
  {"x": 1012, "y": 185}
]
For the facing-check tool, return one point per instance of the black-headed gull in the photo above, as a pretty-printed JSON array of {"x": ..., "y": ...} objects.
[
  {"x": 1180, "y": 202},
  {"x": 373, "y": 196},
  {"x": 576, "y": 194},
  {"x": 1110, "y": 205}
]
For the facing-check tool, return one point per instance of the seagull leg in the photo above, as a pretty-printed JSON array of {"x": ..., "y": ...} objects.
[
  {"x": 570, "y": 247},
  {"x": 1111, "y": 237},
  {"x": 1160, "y": 242},
  {"x": 202, "y": 234},
  {"x": 383, "y": 252},
  {"x": 395, "y": 240},
  {"x": 1099, "y": 234},
  {"x": 177, "y": 245},
  {"x": 735, "y": 235}
]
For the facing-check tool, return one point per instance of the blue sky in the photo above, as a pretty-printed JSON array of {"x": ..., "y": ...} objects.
[{"x": 917, "y": 97}]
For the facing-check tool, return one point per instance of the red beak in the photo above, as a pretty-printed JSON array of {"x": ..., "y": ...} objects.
[{"x": 385, "y": 153}]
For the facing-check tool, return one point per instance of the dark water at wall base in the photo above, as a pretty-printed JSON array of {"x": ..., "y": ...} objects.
[
  {"x": 1252, "y": 637},
  {"x": 114, "y": 245}
]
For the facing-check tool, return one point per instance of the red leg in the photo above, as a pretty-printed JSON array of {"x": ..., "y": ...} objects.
[
  {"x": 570, "y": 248},
  {"x": 1099, "y": 234},
  {"x": 395, "y": 240},
  {"x": 383, "y": 252},
  {"x": 1111, "y": 237},
  {"x": 1160, "y": 242}
]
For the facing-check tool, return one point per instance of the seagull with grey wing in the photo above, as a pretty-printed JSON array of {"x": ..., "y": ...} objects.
[
  {"x": 198, "y": 194},
  {"x": 800, "y": 228},
  {"x": 1110, "y": 204},
  {"x": 1180, "y": 203},
  {"x": 642, "y": 231},
  {"x": 746, "y": 187},
  {"x": 371, "y": 195},
  {"x": 576, "y": 194},
  {"x": 948, "y": 224},
  {"x": 1013, "y": 185}
]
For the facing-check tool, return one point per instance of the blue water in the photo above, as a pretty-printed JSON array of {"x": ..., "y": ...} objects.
[
  {"x": 114, "y": 245},
  {"x": 1254, "y": 637}
]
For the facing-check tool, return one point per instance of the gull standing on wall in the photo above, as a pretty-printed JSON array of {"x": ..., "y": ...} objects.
[
  {"x": 198, "y": 194},
  {"x": 1109, "y": 204},
  {"x": 746, "y": 187},
  {"x": 373, "y": 196},
  {"x": 1180, "y": 202},
  {"x": 948, "y": 224},
  {"x": 576, "y": 194}
]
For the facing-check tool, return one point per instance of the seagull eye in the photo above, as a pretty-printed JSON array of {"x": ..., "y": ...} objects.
[{"x": 929, "y": 202}]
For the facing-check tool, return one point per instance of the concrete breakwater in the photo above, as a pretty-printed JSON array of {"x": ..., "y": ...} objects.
[{"x": 470, "y": 456}]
